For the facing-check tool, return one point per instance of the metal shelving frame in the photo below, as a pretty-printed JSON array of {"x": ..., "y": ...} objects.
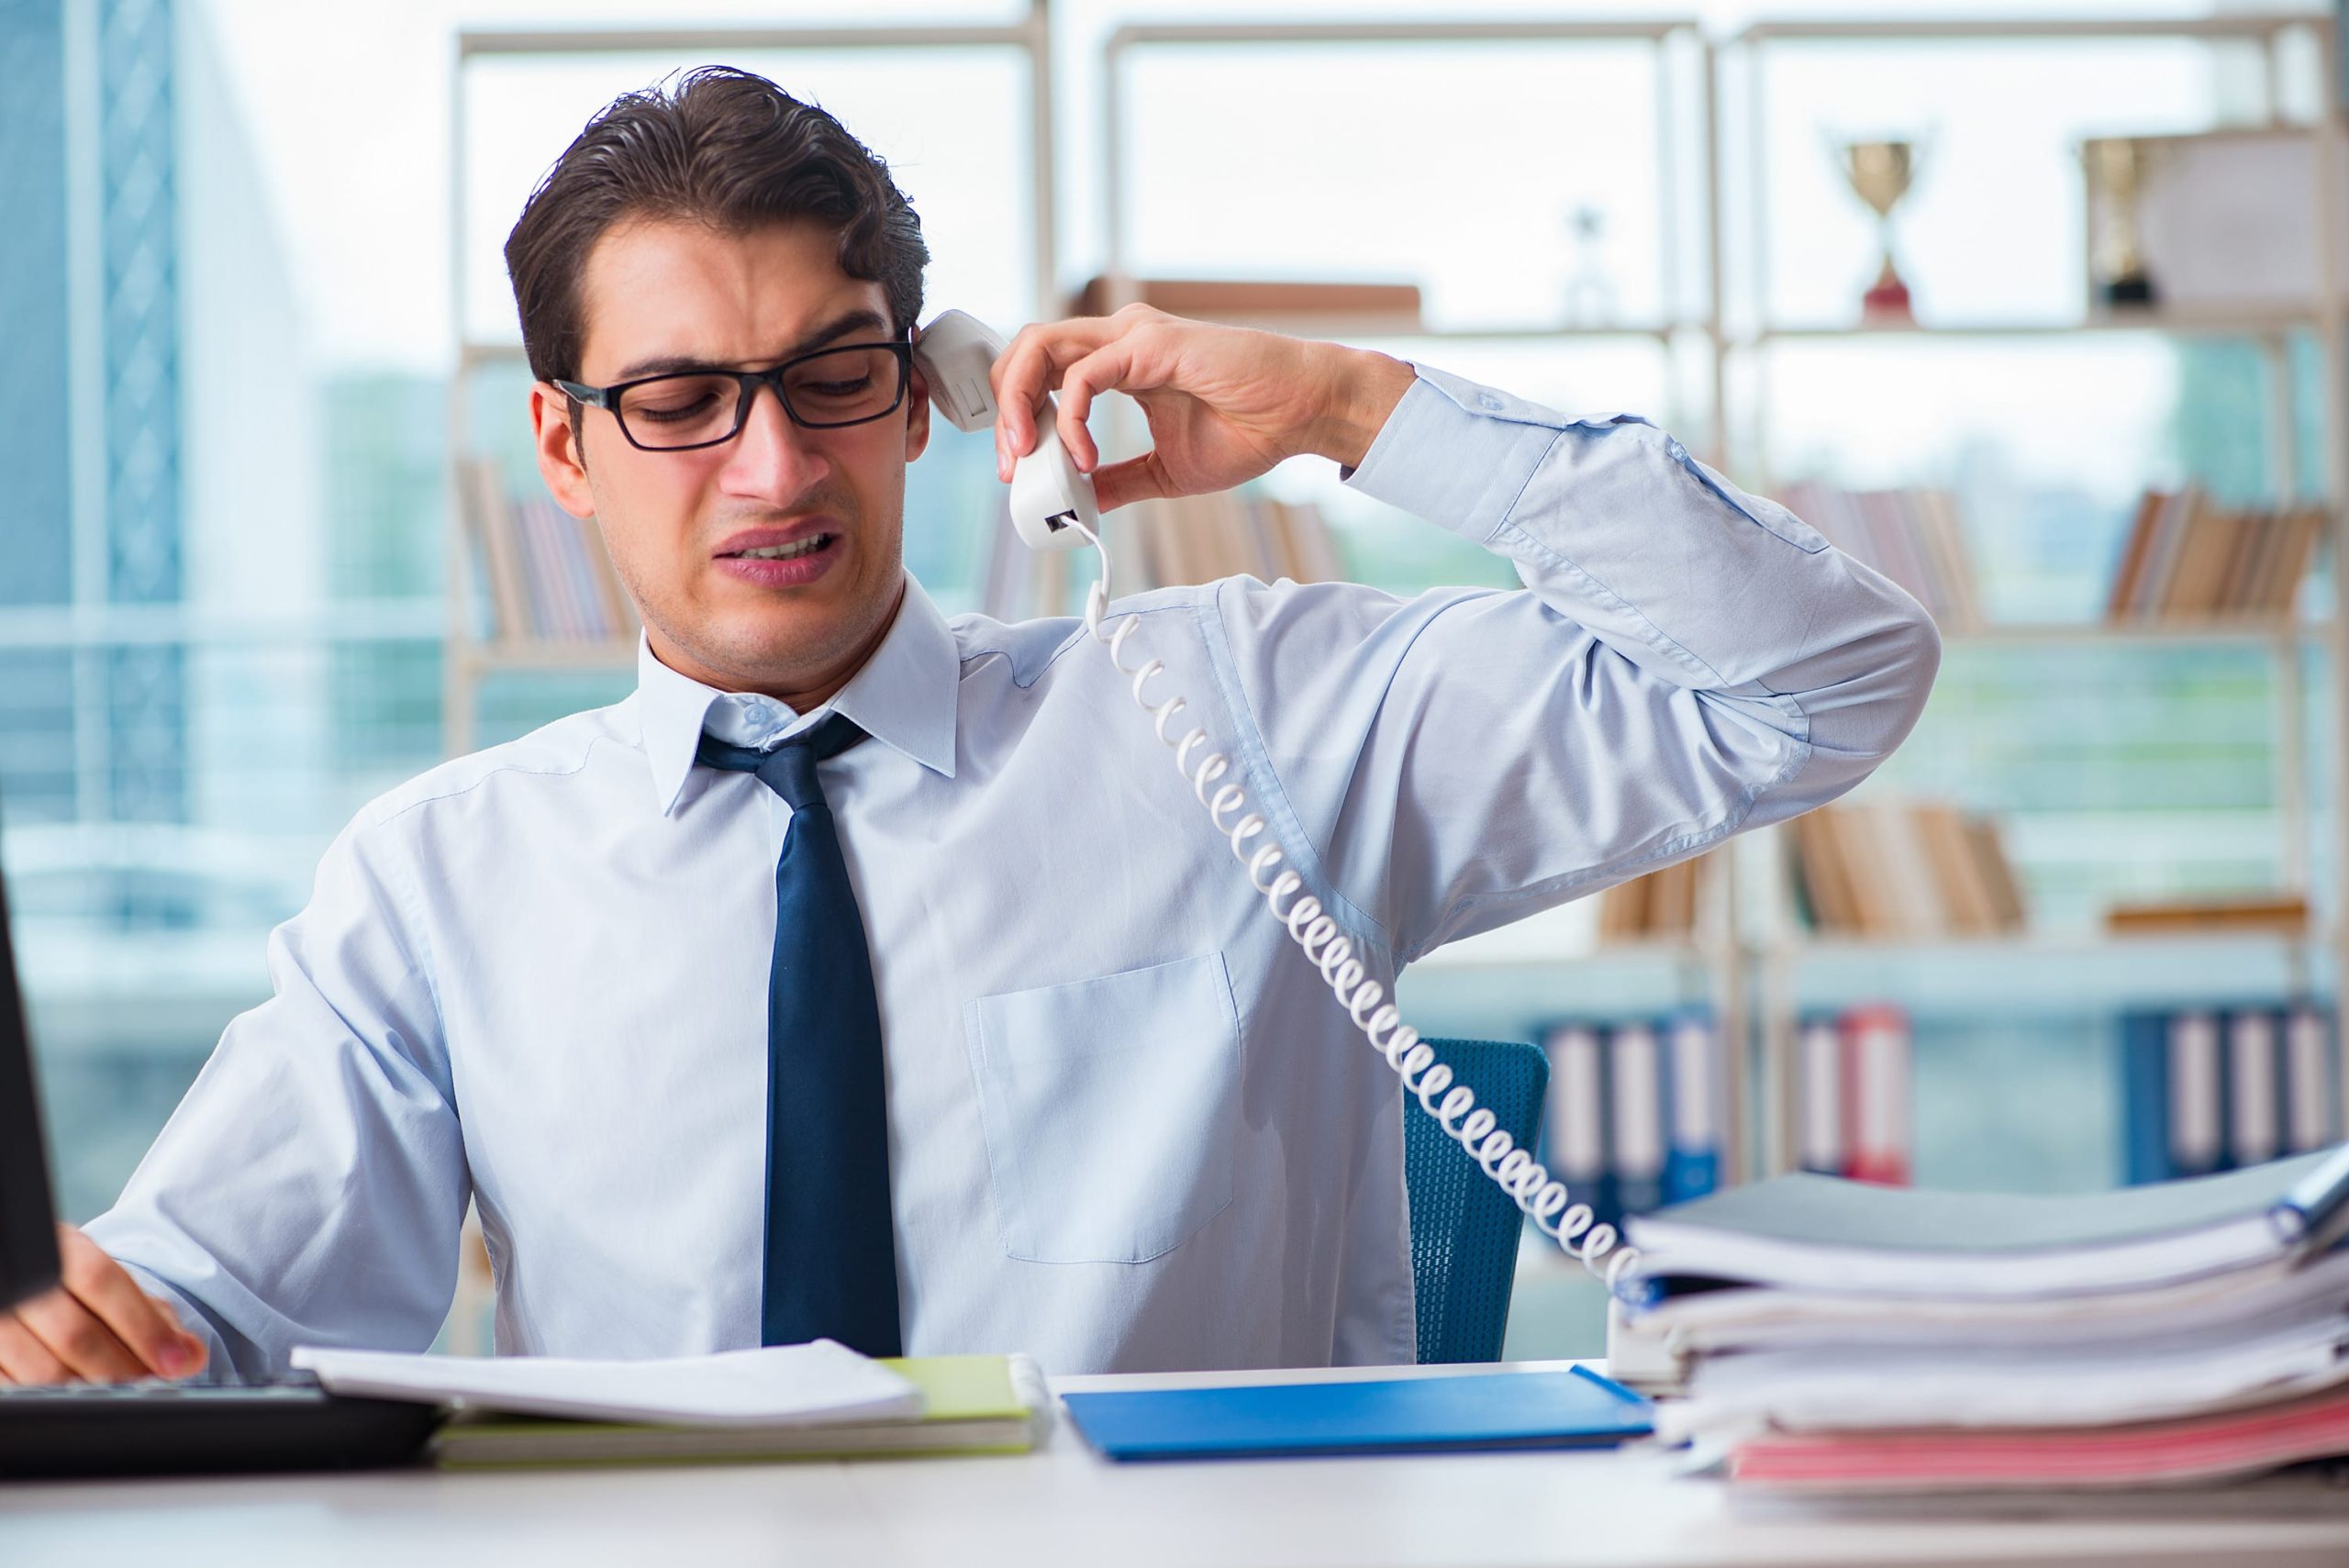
[{"x": 1780, "y": 950}]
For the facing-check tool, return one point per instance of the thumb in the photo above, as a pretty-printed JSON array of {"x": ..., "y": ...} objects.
[{"x": 1142, "y": 478}]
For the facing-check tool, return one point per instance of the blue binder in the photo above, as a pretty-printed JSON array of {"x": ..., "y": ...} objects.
[
  {"x": 2144, "y": 1094},
  {"x": 1576, "y": 1408},
  {"x": 1692, "y": 1122}
]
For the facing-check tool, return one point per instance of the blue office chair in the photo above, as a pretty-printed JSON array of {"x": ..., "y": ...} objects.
[{"x": 1463, "y": 1228}]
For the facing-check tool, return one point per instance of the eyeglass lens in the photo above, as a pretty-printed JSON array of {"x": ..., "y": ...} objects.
[{"x": 835, "y": 388}]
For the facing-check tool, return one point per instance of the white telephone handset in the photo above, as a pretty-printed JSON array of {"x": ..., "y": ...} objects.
[
  {"x": 1052, "y": 509},
  {"x": 1051, "y": 499}
]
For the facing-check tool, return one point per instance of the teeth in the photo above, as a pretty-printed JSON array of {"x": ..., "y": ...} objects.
[{"x": 786, "y": 551}]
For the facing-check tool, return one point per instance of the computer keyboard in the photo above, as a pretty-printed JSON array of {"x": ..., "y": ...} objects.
[{"x": 177, "y": 1428}]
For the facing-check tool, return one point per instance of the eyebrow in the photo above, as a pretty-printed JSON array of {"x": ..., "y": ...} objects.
[{"x": 864, "y": 320}]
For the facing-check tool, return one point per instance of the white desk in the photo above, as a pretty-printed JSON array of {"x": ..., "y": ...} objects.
[{"x": 1062, "y": 1505}]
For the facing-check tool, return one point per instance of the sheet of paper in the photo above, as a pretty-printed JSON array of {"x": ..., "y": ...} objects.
[{"x": 779, "y": 1386}]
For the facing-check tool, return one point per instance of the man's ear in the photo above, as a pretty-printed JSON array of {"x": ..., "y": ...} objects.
[
  {"x": 918, "y": 413},
  {"x": 561, "y": 462}
]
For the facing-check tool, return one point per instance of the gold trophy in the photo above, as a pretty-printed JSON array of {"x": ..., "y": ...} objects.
[
  {"x": 2116, "y": 167},
  {"x": 1881, "y": 172}
]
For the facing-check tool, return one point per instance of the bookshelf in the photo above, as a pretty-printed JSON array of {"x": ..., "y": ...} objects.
[
  {"x": 1749, "y": 957},
  {"x": 2111, "y": 968},
  {"x": 1757, "y": 961},
  {"x": 472, "y": 660}
]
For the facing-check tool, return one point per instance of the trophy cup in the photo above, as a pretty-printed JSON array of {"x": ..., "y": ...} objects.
[
  {"x": 2116, "y": 166},
  {"x": 1880, "y": 173}
]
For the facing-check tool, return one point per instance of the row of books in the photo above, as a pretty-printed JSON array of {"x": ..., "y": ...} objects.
[
  {"x": 1853, "y": 1094},
  {"x": 1663, "y": 903},
  {"x": 2208, "y": 1089},
  {"x": 1913, "y": 537},
  {"x": 1905, "y": 868},
  {"x": 1634, "y": 1115},
  {"x": 549, "y": 576},
  {"x": 2186, "y": 556},
  {"x": 1226, "y": 533}
]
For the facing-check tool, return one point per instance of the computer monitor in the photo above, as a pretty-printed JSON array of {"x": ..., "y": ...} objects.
[{"x": 28, "y": 1218}]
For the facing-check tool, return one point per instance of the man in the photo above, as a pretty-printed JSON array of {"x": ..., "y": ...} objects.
[{"x": 872, "y": 974}]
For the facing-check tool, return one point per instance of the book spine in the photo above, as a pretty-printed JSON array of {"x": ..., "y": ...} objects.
[
  {"x": 578, "y": 557},
  {"x": 2144, "y": 1096},
  {"x": 1573, "y": 1122},
  {"x": 2254, "y": 1088},
  {"x": 541, "y": 576},
  {"x": 2197, "y": 1115},
  {"x": 1819, "y": 1130},
  {"x": 1635, "y": 1067},
  {"x": 1692, "y": 1076},
  {"x": 2132, "y": 557},
  {"x": 618, "y": 611},
  {"x": 2308, "y": 1074},
  {"x": 501, "y": 549},
  {"x": 1877, "y": 1098}
]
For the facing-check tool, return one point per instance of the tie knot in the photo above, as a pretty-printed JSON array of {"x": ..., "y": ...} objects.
[{"x": 789, "y": 769}]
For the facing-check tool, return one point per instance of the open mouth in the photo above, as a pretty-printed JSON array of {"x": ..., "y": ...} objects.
[{"x": 791, "y": 551}]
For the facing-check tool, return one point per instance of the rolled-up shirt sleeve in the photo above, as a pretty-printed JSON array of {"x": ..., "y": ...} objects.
[
  {"x": 311, "y": 1184},
  {"x": 1685, "y": 661}
]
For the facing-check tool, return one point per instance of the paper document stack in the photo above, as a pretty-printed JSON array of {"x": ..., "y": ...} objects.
[
  {"x": 819, "y": 1400},
  {"x": 1838, "y": 1336}
]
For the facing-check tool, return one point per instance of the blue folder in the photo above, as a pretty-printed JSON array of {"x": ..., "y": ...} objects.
[{"x": 1576, "y": 1408}]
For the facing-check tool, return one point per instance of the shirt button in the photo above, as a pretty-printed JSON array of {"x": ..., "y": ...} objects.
[{"x": 1486, "y": 400}]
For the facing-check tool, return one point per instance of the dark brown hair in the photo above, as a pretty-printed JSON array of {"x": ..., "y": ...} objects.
[{"x": 720, "y": 147}]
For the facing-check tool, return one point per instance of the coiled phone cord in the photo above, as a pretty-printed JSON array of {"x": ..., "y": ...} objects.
[{"x": 1542, "y": 1197}]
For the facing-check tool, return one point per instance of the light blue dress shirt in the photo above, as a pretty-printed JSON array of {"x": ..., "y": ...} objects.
[{"x": 1129, "y": 1129}]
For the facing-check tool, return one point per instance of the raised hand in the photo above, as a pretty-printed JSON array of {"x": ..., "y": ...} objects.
[{"x": 1224, "y": 404}]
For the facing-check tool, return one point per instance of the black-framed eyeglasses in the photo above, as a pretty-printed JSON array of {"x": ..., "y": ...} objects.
[{"x": 849, "y": 385}]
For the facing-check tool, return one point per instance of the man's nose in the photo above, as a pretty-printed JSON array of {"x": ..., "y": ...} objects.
[{"x": 772, "y": 456}]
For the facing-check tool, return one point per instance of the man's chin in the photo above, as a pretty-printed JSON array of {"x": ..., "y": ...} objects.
[{"x": 781, "y": 647}]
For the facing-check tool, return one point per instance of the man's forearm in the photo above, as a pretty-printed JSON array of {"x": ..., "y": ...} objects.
[{"x": 1620, "y": 531}]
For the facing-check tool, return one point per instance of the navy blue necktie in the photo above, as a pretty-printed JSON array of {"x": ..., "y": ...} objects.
[{"x": 831, "y": 1259}]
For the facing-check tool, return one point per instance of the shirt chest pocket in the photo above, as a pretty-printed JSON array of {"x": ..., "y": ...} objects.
[{"x": 1109, "y": 1107}]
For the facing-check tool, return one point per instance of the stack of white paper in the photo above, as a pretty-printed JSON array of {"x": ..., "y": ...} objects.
[
  {"x": 1823, "y": 1233},
  {"x": 1819, "y": 1319},
  {"x": 779, "y": 1386}
]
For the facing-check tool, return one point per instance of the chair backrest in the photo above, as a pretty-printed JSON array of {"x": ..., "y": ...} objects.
[{"x": 1463, "y": 1228}]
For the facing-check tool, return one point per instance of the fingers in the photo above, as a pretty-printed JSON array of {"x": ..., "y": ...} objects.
[
  {"x": 23, "y": 1359},
  {"x": 102, "y": 1325},
  {"x": 1034, "y": 365},
  {"x": 86, "y": 1348},
  {"x": 1142, "y": 478},
  {"x": 1025, "y": 372},
  {"x": 1111, "y": 365}
]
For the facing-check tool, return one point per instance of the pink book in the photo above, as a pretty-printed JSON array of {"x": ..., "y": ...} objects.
[
  {"x": 2194, "y": 1448},
  {"x": 1877, "y": 1094}
]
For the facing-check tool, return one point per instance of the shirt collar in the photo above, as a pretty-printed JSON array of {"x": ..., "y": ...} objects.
[{"x": 904, "y": 695}]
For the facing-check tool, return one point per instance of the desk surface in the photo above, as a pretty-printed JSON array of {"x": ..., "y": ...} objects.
[{"x": 1062, "y": 1505}]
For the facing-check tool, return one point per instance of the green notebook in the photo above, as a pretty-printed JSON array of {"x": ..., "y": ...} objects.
[{"x": 971, "y": 1405}]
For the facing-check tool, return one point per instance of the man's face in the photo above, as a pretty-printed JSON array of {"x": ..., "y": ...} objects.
[{"x": 658, "y": 293}]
